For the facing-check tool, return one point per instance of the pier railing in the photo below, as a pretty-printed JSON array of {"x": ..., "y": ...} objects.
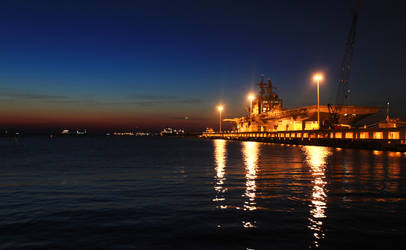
[{"x": 376, "y": 138}]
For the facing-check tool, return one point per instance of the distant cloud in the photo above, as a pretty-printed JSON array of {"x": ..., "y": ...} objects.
[
  {"x": 154, "y": 100},
  {"x": 189, "y": 118},
  {"x": 33, "y": 96},
  {"x": 190, "y": 101},
  {"x": 158, "y": 102},
  {"x": 150, "y": 97},
  {"x": 136, "y": 100}
]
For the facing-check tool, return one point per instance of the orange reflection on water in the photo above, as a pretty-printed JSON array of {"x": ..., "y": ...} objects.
[
  {"x": 394, "y": 154},
  {"x": 220, "y": 155},
  {"x": 250, "y": 152},
  {"x": 316, "y": 158},
  {"x": 377, "y": 152}
]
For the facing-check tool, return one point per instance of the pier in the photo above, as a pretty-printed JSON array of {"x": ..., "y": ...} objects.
[{"x": 388, "y": 139}]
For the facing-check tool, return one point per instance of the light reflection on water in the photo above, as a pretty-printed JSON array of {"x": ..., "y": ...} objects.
[
  {"x": 250, "y": 152},
  {"x": 172, "y": 190},
  {"x": 267, "y": 180},
  {"x": 220, "y": 154},
  {"x": 316, "y": 158}
]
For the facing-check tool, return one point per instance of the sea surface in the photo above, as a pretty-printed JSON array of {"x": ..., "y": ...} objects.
[{"x": 188, "y": 193}]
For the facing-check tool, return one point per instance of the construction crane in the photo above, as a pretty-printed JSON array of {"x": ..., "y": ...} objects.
[
  {"x": 345, "y": 69},
  {"x": 343, "y": 89}
]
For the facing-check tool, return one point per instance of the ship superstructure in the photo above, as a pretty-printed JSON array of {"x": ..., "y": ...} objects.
[{"x": 268, "y": 114}]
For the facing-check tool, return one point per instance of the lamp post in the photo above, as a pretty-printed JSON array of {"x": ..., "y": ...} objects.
[
  {"x": 387, "y": 112},
  {"x": 251, "y": 97},
  {"x": 318, "y": 77},
  {"x": 220, "y": 109}
]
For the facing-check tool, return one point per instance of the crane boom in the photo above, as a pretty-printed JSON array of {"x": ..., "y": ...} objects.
[{"x": 345, "y": 69}]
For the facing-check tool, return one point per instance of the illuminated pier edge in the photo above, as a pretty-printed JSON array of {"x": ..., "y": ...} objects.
[{"x": 392, "y": 139}]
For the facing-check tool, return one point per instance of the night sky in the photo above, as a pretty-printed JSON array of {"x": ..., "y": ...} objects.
[{"x": 150, "y": 64}]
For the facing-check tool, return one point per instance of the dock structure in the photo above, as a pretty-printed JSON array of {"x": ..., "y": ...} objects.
[
  {"x": 389, "y": 139},
  {"x": 334, "y": 125}
]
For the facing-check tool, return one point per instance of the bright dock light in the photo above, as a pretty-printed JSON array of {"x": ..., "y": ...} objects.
[
  {"x": 220, "y": 109},
  {"x": 317, "y": 78},
  {"x": 251, "y": 97}
]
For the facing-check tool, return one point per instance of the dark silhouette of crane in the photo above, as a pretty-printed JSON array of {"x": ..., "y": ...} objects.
[
  {"x": 345, "y": 70},
  {"x": 343, "y": 89}
]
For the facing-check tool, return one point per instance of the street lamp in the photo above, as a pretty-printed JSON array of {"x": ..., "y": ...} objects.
[
  {"x": 220, "y": 109},
  {"x": 251, "y": 97},
  {"x": 317, "y": 78}
]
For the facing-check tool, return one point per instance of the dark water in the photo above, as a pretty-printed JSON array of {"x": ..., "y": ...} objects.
[{"x": 174, "y": 193}]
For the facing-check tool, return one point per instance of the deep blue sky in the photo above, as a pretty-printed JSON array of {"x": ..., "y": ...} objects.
[{"x": 134, "y": 63}]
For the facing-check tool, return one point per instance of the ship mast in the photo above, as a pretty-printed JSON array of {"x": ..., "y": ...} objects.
[{"x": 261, "y": 85}]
